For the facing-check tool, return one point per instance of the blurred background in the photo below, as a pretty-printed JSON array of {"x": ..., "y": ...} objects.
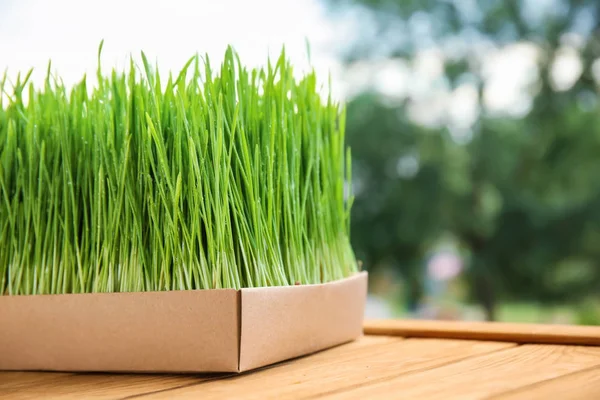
[{"x": 474, "y": 127}]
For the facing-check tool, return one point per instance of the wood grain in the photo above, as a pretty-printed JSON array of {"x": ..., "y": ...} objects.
[
  {"x": 35, "y": 385},
  {"x": 482, "y": 376},
  {"x": 496, "y": 331},
  {"x": 583, "y": 384},
  {"x": 375, "y": 366},
  {"x": 338, "y": 369},
  {"x": 15, "y": 379}
]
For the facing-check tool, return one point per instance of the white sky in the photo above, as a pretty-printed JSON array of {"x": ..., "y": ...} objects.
[
  {"x": 170, "y": 32},
  {"x": 69, "y": 32}
]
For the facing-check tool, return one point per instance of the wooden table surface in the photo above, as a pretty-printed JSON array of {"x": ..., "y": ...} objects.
[{"x": 395, "y": 359}]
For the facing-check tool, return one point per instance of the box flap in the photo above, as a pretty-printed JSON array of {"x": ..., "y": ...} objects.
[
  {"x": 279, "y": 323},
  {"x": 178, "y": 331}
]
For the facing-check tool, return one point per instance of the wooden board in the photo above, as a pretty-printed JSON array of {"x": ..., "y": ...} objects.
[
  {"x": 36, "y": 385},
  {"x": 33, "y": 385},
  {"x": 584, "y": 384},
  {"x": 483, "y": 376},
  {"x": 375, "y": 366},
  {"x": 340, "y": 369},
  {"x": 496, "y": 331}
]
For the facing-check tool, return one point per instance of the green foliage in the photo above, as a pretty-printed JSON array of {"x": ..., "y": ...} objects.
[
  {"x": 224, "y": 179},
  {"x": 522, "y": 196},
  {"x": 589, "y": 312},
  {"x": 398, "y": 204}
]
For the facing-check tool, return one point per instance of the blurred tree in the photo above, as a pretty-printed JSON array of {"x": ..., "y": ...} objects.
[
  {"x": 522, "y": 192},
  {"x": 398, "y": 188}
]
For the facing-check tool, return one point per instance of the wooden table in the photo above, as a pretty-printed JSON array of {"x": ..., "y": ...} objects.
[{"x": 395, "y": 359}]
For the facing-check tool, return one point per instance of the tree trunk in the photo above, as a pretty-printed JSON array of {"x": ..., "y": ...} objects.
[
  {"x": 486, "y": 296},
  {"x": 413, "y": 277},
  {"x": 484, "y": 288},
  {"x": 414, "y": 292}
]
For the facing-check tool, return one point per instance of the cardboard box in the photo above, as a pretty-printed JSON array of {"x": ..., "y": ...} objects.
[{"x": 222, "y": 330}]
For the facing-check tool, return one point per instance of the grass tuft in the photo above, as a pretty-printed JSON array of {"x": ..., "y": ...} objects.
[{"x": 221, "y": 178}]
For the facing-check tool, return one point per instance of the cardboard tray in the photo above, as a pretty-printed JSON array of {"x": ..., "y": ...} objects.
[{"x": 223, "y": 330}]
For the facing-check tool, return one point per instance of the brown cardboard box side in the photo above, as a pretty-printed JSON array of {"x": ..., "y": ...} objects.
[
  {"x": 279, "y": 323},
  {"x": 178, "y": 331}
]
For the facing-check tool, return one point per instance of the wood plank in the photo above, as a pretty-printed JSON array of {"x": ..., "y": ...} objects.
[
  {"x": 482, "y": 376},
  {"x": 583, "y": 384},
  {"x": 15, "y": 379},
  {"x": 33, "y": 385},
  {"x": 337, "y": 369},
  {"x": 98, "y": 386},
  {"x": 496, "y": 331}
]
